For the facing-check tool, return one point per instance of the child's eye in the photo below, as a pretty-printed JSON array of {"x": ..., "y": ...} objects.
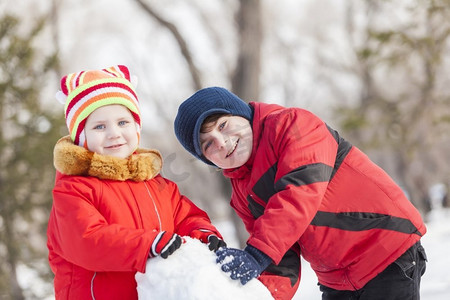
[
  {"x": 122, "y": 123},
  {"x": 206, "y": 146},
  {"x": 222, "y": 125},
  {"x": 101, "y": 126}
]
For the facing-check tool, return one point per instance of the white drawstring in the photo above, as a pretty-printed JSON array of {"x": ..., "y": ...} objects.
[
  {"x": 154, "y": 204},
  {"x": 92, "y": 286}
]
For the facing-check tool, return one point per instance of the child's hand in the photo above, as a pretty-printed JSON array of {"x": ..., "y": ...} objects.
[
  {"x": 165, "y": 244},
  {"x": 243, "y": 264},
  {"x": 214, "y": 243}
]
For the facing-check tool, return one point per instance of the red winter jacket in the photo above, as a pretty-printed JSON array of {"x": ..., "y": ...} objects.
[
  {"x": 100, "y": 230},
  {"x": 306, "y": 189}
]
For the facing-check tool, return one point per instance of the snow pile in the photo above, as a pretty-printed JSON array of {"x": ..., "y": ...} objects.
[{"x": 190, "y": 273}]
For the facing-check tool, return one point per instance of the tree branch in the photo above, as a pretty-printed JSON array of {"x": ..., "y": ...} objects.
[{"x": 195, "y": 74}]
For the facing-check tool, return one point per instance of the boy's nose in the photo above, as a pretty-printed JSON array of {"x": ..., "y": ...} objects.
[{"x": 221, "y": 140}]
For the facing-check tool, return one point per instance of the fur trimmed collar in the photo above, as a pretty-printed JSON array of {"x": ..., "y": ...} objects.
[{"x": 71, "y": 159}]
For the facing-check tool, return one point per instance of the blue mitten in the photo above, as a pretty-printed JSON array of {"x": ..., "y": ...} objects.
[{"x": 243, "y": 264}]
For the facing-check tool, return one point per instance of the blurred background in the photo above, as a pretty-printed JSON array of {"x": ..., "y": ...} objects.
[{"x": 377, "y": 71}]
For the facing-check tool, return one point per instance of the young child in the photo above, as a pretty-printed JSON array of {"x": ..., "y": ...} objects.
[
  {"x": 300, "y": 188},
  {"x": 111, "y": 208}
]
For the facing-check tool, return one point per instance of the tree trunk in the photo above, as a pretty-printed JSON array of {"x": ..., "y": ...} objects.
[{"x": 245, "y": 81}]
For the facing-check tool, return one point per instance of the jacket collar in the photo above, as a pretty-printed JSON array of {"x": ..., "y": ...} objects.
[
  {"x": 71, "y": 159},
  {"x": 261, "y": 111}
]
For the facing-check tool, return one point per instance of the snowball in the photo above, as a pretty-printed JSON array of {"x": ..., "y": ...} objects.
[{"x": 191, "y": 273}]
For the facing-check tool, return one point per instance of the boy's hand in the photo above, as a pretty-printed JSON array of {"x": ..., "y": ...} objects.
[
  {"x": 214, "y": 243},
  {"x": 243, "y": 264},
  {"x": 165, "y": 244}
]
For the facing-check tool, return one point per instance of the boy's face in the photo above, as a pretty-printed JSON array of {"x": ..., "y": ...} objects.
[
  {"x": 228, "y": 142},
  {"x": 111, "y": 130}
]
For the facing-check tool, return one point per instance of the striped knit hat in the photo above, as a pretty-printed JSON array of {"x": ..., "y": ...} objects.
[{"x": 85, "y": 91}]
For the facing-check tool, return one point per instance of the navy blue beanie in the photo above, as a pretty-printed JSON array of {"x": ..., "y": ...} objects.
[{"x": 204, "y": 103}]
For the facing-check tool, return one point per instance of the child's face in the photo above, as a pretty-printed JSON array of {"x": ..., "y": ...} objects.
[
  {"x": 228, "y": 143},
  {"x": 111, "y": 130}
]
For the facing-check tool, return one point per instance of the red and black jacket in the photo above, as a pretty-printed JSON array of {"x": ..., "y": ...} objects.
[{"x": 305, "y": 189}]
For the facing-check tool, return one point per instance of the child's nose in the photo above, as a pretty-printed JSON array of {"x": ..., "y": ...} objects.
[
  {"x": 113, "y": 132},
  {"x": 221, "y": 141}
]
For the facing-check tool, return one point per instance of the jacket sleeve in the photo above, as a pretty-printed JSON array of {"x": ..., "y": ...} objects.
[
  {"x": 305, "y": 152},
  {"x": 80, "y": 234},
  {"x": 189, "y": 219}
]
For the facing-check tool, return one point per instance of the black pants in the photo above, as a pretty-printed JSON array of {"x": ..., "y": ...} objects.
[{"x": 399, "y": 281}]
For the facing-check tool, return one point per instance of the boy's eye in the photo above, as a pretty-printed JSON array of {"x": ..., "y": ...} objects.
[
  {"x": 206, "y": 145},
  {"x": 222, "y": 125}
]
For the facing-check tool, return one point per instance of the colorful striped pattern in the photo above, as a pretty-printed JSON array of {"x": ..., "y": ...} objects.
[{"x": 88, "y": 90}]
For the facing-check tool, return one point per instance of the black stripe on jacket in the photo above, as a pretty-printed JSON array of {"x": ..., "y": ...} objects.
[
  {"x": 266, "y": 187},
  {"x": 289, "y": 267},
  {"x": 344, "y": 148},
  {"x": 305, "y": 175},
  {"x": 361, "y": 221}
]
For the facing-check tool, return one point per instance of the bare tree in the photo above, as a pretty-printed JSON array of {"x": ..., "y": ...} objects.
[
  {"x": 195, "y": 74},
  {"x": 399, "y": 111},
  {"x": 245, "y": 78}
]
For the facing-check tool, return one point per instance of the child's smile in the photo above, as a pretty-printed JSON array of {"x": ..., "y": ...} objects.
[
  {"x": 111, "y": 130},
  {"x": 229, "y": 142},
  {"x": 232, "y": 149}
]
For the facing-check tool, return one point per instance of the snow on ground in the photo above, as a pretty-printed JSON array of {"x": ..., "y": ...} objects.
[{"x": 436, "y": 280}]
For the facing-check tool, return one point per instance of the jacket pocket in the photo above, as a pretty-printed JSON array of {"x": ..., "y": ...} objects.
[
  {"x": 407, "y": 266},
  {"x": 422, "y": 259}
]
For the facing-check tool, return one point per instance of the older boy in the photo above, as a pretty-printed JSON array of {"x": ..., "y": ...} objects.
[{"x": 300, "y": 188}]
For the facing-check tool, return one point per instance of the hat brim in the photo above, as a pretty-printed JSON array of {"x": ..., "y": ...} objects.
[{"x": 198, "y": 125}]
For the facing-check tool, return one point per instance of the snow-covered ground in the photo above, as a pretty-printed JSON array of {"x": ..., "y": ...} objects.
[
  {"x": 436, "y": 280},
  {"x": 190, "y": 273}
]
